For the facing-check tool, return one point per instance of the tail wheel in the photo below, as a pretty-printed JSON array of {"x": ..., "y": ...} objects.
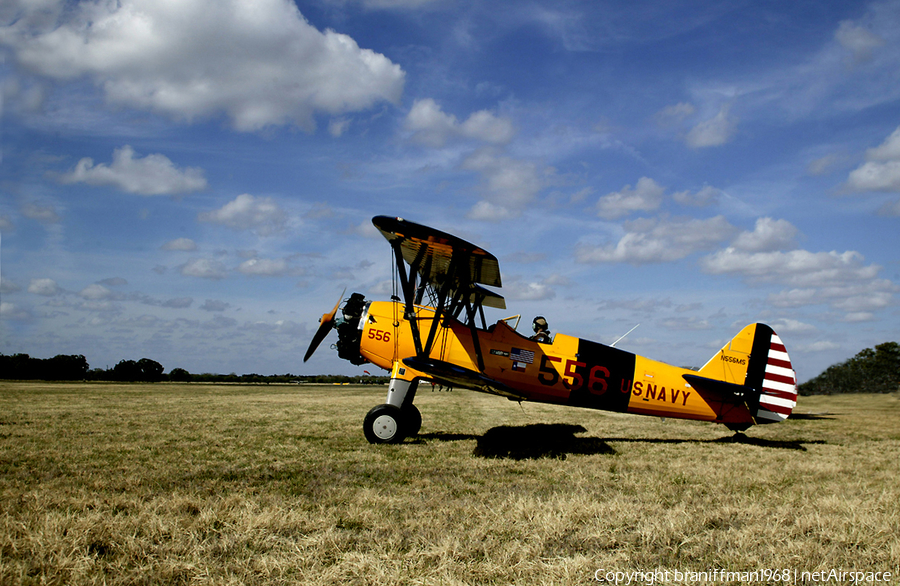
[
  {"x": 412, "y": 419},
  {"x": 384, "y": 425}
]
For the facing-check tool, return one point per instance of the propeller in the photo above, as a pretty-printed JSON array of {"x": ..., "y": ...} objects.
[{"x": 325, "y": 324}]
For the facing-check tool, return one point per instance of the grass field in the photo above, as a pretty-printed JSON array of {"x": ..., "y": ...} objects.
[{"x": 196, "y": 484}]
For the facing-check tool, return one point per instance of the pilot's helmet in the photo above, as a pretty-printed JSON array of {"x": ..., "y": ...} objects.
[{"x": 539, "y": 324}]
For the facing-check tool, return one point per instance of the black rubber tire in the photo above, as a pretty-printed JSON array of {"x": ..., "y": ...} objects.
[
  {"x": 412, "y": 420},
  {"x": 384, "y": 425}
]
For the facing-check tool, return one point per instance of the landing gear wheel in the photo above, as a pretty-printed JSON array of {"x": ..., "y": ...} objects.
[
  {"x": 384, "y": 425},
  {"x": 412, "y": 419}
]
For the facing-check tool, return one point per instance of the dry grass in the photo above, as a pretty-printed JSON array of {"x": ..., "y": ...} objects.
[{"x": 178, "y": 484}]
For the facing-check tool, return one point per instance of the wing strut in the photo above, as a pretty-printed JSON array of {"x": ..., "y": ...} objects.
[
  {"x": 470, "y": 313},
  {"x": 408, "y": 287},
  {"x": 447, "y": 269},
  {"x": 441, "y": 309}
]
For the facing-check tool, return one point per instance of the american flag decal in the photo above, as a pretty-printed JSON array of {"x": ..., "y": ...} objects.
[
  {"x": 520, "y": 355},
  {"x": 779, "y": 387}
]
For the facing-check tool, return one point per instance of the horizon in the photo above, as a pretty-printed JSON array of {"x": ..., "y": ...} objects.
[{"x": 195, "y": 182}]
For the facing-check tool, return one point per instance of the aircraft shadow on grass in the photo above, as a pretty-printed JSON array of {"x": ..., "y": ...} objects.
[
  {"x": 529, "y": 442},
  {"x": 558, "y": 440},
  {"x": 811, "y": 416}
]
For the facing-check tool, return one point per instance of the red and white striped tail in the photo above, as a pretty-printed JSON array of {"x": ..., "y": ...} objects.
[{"x": 779, "y": 387}]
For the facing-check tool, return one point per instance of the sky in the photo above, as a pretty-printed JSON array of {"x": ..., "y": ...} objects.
[{"x": 194, "y": 181}]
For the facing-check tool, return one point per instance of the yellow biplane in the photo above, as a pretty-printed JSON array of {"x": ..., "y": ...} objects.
[{"x": 438, "y": 333}]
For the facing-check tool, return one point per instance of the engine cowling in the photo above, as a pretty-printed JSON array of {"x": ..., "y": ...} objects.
[{"x": 350, "y": 329}]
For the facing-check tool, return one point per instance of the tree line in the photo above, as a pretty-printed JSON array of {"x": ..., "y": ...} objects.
[
  {"x": 873, "y": 370},
  {"x": 66, "y": 368}
]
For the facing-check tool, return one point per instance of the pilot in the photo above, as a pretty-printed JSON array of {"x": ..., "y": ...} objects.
[{"x": 541, "y": 330}]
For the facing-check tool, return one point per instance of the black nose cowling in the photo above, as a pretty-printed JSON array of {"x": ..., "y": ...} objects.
[{"x": 350, "y": 329}]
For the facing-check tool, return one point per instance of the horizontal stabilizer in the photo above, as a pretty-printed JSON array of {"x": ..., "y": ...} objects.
[
  {"x": 453, "y": 375},
  {"x": 721, "y": 390},
  {"x": 489, "y": 298}
]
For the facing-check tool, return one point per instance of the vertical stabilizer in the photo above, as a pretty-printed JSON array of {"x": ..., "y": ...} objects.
[
  {"x": 771, "y": 371},
  {"x": 757, "y": 360}
]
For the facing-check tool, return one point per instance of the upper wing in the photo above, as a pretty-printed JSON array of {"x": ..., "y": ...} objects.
[{"x": 439, "y": 257}]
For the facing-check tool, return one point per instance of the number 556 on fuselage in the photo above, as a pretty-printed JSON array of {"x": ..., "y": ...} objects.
[{"x": 438, "y": 333}]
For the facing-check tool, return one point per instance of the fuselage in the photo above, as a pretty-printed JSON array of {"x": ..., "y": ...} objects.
[{"x": 567, "y": 371}]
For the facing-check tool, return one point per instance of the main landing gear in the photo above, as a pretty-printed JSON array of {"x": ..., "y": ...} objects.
[{"x": 397, "y": 419}]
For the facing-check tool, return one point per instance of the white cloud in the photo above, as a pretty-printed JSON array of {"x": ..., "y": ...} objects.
[
  {"x": 694, "y": 324},
  {"x": 875, "y": 176},
  {"x": 647, "y": 305},
  {"x": 858, "y": 40},
  {"x": 114, "y": 282},
  {"x": 259, "y": 63},
  {"x": 263, "y": 267},
  {"x": 823, "y": 346},
  {"x": 881, "y": 172},
  {"x": 45, "y": 287},
  {"x": 716, "y": 131},
  {"x": 429, "y": 124},
  {"x": 219, "y": 322},
  {"x": 675, "y": 114},
  {"x": 796, "y": 268},
  {"x": 786, "y": 325},
  {"x": 889, "y": 150},
  {"x": 214, "y": 305},
  {"x": 45, "y": 214},
  {"x": 101, "y": 306},
  {"x": 11, "y": 311},
  {"x": 178, "y": 302},
  {"x": 768, "y": 235},
  {"x": 533, "y": 291},
  {"x": 95, "y": 292},
  {"x": 860, "y": 316},
  {"x": 184, "y": 244},
  {"x": 7, "y": 286},
  {"x": 396, "y": 4},
  {"x": 823, "y": 165},
  {"x": 794, "y": 298},
  {"x": 486, "y": 127},
  {"x": 708, "y": 195},
  {"x": 434, "y": 128},
  {"x": 659, "y": 240},
  {"x": 204, "y": 268},
  {"x": 518, "y": 289},
  {"x": 645, "y": 197},
  {"x": 279, "y": 327},
  {"x": 338, "y": 126},
  {"x": 152, "y": 175},
  {"x": 259, "y": 214},
  {"x": 509, "y": 185},
  {"x": 839, "y": 280},
  {"x": 861, "y": 299},
  {"x": 488, "y": 212}
]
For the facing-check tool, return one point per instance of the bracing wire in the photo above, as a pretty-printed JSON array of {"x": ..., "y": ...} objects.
[{"x": 395, "y": 277}]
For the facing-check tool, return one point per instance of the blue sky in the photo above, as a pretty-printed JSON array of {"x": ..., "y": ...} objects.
[{"x": 194, "y": 182}]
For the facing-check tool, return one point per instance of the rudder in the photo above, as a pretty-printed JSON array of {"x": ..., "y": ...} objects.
[
  {"x": 757, "y": 359},
  {"x": 770, "y": 370}
]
